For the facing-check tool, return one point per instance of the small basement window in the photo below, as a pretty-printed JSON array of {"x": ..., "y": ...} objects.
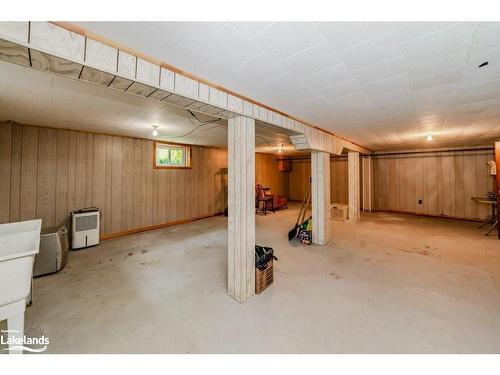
[{"x": 171, "y": 156}]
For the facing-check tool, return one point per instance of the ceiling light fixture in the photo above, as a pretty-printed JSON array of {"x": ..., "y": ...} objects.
[
  {"x": 280, "y": 149},
  {"x": 155, "y": 132},
  {"x": 429, "y": 137}
]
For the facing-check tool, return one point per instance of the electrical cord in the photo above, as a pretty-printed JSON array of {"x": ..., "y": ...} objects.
[{"x": 202, "y": 123}]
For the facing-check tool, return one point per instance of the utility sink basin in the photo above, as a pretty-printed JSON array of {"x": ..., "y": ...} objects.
[{"x": 19, "y": 243}]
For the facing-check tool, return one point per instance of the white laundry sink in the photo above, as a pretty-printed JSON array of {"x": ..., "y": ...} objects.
[{"x": 19, "y": 242}]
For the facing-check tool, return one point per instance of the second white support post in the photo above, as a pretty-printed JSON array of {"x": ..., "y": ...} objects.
[
  {"x": 320, "y": 179},
  {"x": 353, "y": 185},
  {"x": 241, "y": 208}
]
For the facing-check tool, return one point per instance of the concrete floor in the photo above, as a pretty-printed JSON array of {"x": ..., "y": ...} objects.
[{"x": 390, "y": 284}]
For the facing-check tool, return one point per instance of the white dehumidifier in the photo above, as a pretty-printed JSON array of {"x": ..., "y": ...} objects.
[{"x": 85, "y": 227}]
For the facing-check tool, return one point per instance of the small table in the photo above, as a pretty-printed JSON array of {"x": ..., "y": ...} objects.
[{"x": 493, "y": 220}]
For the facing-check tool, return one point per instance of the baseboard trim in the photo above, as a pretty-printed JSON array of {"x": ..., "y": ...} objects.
[
  {"x": 156, "y": 226},
  {"x": 477, "y": 220}
]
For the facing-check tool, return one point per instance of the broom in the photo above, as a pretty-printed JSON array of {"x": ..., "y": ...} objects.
[{"x": 293, "y": 232}]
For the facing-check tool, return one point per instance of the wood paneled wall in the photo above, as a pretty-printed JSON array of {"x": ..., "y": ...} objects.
[
  {"x": 46, "y": 173},
  {"x": 268, "y": 175},
  {"x": 301, "y": 171},
  {"x": 444, "y": 181}
]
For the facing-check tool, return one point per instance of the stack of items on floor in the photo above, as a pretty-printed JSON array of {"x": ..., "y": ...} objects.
[{"x": 263, "y": 268}]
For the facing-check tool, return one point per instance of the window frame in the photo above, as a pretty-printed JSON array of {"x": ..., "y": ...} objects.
[{"x": 188, "y": 155}]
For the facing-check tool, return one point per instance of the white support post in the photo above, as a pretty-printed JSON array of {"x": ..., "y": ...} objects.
[
  {"x": 320, "y": 178},
  {"x": 241, "y": 208},
  {"x": 353, "y": 185}
]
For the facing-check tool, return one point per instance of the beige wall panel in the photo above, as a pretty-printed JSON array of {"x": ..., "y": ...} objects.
[
  {"x": 29, "y": 166},
  {"x": 5, "y": 171},
  {"x": 90, "y": 171},
  {"x": 46, "y": 176},
  {"x": 62, "y": 216},
  {"x": 99, "y": 176},
  {"x": 116, "y": 185},
  {"x": 444, "y": 181},
  {"x": 72, "y": 168},
  {"x": 15, "y": 176},
  {"x": 127, "y": 184}
]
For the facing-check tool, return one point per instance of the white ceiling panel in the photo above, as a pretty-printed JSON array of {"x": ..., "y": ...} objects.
[
  {"x": 216, "y": 46},
  {"x": 285, "y": 39},
  {"x": 383, "y": 84},
  {"x": 314, "y": 59},
  {"x": 375, "y": 50}
]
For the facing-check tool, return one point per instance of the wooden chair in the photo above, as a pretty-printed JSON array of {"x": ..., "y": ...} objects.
[{"x": 263, "y": 199}]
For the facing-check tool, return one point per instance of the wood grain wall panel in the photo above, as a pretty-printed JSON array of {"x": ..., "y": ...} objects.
[
  {"x": 116, "y": 185},
  {"x": 62, "y": 215},
  {"x": 127, "y": 184},
  {"x": 268, "y": 175},
  {"x": 62, "y": 170},
  {"x": 72, "y": 142},
  {"x": 80, "y": 169},
  {"x": 89, "y": 167},
  {"x": 99, "y": 176},
  {"x": 15, "y": 175},
  {"x": 29, "y": 166},
  {"x": 46, "y": 180},
  {"x": 301, "y": 172},
  {"x": 5, "y": 171},
  {"x": 137, "y": 211},
  {"x": 445, "y": 182}
]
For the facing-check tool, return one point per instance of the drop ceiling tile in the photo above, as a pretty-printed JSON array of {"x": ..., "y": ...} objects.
[
  {"x": 393, "y": 88},
  {"x": 438, "y": 64},
  {"x": 262, "y": 66},
  {"x": 217, "y": 73},
  {"x": 412, "y": 30},
  {"x": 436, "y": 80},
  {"x": 331, "y": 76},
  {"x": 314, "y": 59},
  {"x": 482, "y": 76},
  {"x": 342, "y": 35},
  {"x": 249, "y": 29},
  {"x": 341, "y": 89},
  {"x": 440, "y": 42},
  {"x": 375, "y": 50},
  {"x": 285, "y": 39},
  {"x": 487, "y": 39},
  {"x": 189, "y": 34},
  {"x": 225, "y": 38},
  {"x": 382, "y": 70}
]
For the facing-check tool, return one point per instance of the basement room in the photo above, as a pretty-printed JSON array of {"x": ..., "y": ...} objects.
[{"x": 249, "y": 187}]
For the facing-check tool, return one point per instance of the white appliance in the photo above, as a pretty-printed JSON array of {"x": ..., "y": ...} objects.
[
  {"x": 19, "y": 242},
  {"x": 85, "y": 227},
  {"x": 53, "y": 251}
]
